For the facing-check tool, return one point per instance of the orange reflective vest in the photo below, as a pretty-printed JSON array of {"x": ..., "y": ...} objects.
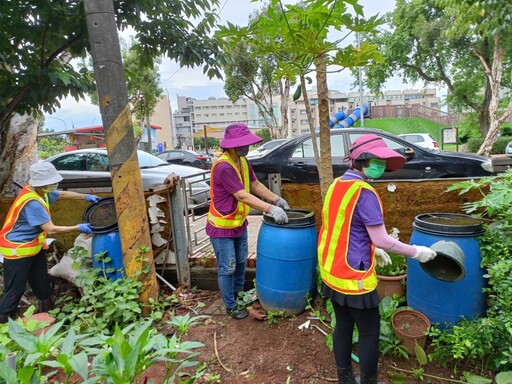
[
  {"x": 236, "y": 218},
  {"x": 16, "y": 250},
  {"x": 334, "y": 237}
]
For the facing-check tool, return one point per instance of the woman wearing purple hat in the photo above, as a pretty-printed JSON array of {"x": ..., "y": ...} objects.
[
  {"x": 352, "y": 241},
  {"x": 233, "y": 187}
]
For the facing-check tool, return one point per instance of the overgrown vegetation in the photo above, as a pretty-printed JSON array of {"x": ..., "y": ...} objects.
[
  {"x": 487, "y": 341},
  {"x": 103, "y": 337}
]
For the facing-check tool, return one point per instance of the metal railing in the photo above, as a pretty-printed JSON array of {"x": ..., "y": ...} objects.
[{"x": 196, "y": 200}]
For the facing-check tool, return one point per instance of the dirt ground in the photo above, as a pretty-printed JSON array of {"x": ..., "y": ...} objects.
[
  {"x": 258, "y": 352},
  {"x": 255, "y": 351}
]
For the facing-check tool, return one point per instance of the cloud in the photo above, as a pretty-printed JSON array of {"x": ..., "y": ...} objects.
[{"x": 191, "y": 81}]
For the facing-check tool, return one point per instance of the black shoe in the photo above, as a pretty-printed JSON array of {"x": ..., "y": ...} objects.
[
  {"x": 369, "y": 379},
  {"x": 238, "y": 314},
  {"x": 346, "y": 376}
]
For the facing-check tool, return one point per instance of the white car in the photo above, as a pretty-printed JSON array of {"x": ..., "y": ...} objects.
[
  {"x": 90, "y": 169},
  {"x": 264, "y": 148},
  {"x": 423, "y": 140},
  {"x": 508, "y": 149}
]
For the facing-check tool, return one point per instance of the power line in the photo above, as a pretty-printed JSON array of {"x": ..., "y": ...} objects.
[{"x": 222, "y": 8}]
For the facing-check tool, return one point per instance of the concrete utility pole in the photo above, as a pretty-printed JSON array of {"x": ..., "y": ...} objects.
[{"x": 117, "y": 122}]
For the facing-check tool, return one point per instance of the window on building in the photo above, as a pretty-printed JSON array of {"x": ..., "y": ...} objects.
[
  {"x": 302, "y": 111},
  {"x": 304, "y": 122}
]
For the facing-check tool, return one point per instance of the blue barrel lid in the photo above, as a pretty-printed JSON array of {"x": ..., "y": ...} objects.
[
  {"x": 448, "y": 224},
  {"x": 101, "y": 216}
]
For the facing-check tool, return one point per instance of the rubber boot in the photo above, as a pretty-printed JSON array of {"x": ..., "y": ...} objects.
[
  {"x": 44, "y": 305},
  {"x": 346, "y": 376},
  {"x": 369, "y": 379}
]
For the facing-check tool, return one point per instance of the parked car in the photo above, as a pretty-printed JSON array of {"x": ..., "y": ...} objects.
[
  {"x": 93, "y": 165},
  {"x": 508, "y": 149},
  {"x": 423, "y": 140},
  {"x": 295, "y": 159},
  {"x": 265, "y": 148},
  {"x": 186, "y": 157}
]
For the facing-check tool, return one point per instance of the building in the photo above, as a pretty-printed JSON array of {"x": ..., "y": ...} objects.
[{"x": 193, "y": 115}]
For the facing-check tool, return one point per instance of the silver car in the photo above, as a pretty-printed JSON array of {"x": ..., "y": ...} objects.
[{"x": 90, "y": 168}]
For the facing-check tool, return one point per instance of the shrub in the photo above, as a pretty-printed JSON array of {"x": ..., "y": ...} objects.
[{"x": 498, "y": 148}]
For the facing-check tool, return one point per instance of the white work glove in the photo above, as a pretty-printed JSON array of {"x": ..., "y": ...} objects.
[
  {"x": 278, "y": 214},
  {"x": 424, "y": 254},
  {"x": 281, "y": 203},
  {"x": 382, "y": 257}
]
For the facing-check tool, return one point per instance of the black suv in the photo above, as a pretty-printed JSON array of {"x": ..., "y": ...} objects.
[{"x": 295, "y": 160}]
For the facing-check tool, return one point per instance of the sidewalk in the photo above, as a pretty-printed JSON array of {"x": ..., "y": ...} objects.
[{"x": 206, "y": 256}]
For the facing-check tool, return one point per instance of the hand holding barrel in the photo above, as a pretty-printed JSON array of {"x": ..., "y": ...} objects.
[{"x": 424, "y": 254}]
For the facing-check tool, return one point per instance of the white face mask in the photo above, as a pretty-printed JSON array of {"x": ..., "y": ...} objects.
[{"x": 50, "y": 188}]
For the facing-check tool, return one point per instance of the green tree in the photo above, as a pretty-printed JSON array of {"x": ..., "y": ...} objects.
[
  {"x": 488, "y": 27},
  {"x": 212, "y": 142},
  {"x": 143, "y": 85},
  {"x": 50, "y": 145},
  {"x": 264, "y": 134},
  {"x": 426, "y": 40},
  {"x": 38, "y": 40},
  {"x": 297, "y": 36},
  {"x": 253, "y": 75}
]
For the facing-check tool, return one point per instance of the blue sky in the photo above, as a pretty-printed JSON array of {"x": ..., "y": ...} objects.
[{"x": 191, "y": 82}]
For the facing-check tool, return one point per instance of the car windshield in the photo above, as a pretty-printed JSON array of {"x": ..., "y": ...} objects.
[{"x": 147, "y": 160}]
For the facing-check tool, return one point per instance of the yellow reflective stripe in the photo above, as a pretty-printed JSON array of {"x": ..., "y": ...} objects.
[
  {"x": 339, "y": 224},
  {"x": 350, "y": 286},
  {"x": 323, "y": 234}
]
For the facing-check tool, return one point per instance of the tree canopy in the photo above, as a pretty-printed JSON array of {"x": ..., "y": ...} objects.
[
  {"x": 38, "y": 40},
  {"x": 437, "y": 42}
]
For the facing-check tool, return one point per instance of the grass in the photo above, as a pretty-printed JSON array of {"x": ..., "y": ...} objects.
[{"x": 406, "y": 125}]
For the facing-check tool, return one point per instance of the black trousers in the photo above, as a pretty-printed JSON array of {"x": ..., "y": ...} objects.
[
  {"x": 368, "y": 325},
  {"x": 17, "y": 272}
]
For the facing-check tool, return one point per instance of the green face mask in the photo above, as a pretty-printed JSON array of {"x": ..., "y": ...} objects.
[
  {"x": 376, "y": 169},
  {"x": 50, "y": 188}
]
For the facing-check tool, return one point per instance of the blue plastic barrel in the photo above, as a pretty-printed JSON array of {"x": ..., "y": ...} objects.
[
  {"x": 286, "y": 262},
  {"x": 102, "y": 218},
  {"x": 111, "y": 244},
  {"x": 447, "y": 302}
]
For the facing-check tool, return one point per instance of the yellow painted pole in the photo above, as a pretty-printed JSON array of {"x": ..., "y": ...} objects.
[{"x": 124, "y": 164}]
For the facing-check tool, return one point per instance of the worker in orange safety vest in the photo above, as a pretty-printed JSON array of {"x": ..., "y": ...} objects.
[
  {"x": 352, "y": 240},
  {"x": 23, "y": 238}
]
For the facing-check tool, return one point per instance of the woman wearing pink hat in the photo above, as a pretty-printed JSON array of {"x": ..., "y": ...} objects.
[
  {"x": 352, "y": 241},
  {"x": 233, "y": 187}
]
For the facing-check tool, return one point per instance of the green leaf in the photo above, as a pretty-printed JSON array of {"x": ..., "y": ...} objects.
[
  {"x": 79, "y": 363},
  {"x": 475, "y": 379},
  {"x": 24, "y": 339},
  {"x": 504, "y": 378},
  {"x": 420, "y": 354},
  {"x": 64, "y": 77},
  {"x": 7, "y": 373},
  {"x": 297, "y": 93}
]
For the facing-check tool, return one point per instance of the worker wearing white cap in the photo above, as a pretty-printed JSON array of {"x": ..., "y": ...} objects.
[{"x": 23, "y": 238}]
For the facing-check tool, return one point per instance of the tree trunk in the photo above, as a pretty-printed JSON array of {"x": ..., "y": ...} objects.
[
  {"x": 494, "y": 74},
  {"x": 325, "y": 164},
  {"x": 18, "y": 151},
  {"x": 484, "y": 118},
  {"x": 285, "y": 130}
]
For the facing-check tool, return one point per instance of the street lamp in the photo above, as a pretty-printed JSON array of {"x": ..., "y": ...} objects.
[{"x": 56, "y": 118}]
